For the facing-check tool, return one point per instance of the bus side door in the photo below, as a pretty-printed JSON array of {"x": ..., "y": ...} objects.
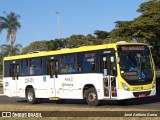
[
  {"x": 52, "y": 69},
  {"x": 14, "y": 72},
  {"x": 108, "y": 68}
]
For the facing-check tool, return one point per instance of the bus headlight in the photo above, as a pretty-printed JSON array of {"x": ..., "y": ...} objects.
[{"x": 125, "y": 87}]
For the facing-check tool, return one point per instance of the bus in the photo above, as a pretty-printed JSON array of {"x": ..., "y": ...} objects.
[{"x": 117, "y": 71}]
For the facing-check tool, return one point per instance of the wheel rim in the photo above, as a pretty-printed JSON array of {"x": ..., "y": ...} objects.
[
  {"x": 30, "y": 96},
  {"x": 92, "y": 97}
]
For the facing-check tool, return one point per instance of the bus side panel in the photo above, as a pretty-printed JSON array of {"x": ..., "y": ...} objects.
[
  {"x": 39, "y": 84},
  {"x": 6, "y": 86},
  {"x": 71, "y": 86}
]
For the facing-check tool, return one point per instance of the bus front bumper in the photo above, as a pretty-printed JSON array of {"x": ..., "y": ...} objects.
[{"x": 123, "y": 94}]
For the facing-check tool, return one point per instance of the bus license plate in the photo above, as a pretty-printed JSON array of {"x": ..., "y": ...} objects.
[{"x": 142, "y": 95}]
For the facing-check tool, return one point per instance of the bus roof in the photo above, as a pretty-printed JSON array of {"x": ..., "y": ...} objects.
[{"x": 69, "y": 50}]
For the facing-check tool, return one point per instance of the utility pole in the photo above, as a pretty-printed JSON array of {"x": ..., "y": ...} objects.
[{"x": 59, "y": 31}]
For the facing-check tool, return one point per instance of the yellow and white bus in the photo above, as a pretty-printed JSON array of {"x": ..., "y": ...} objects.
[{"x": 117, "y": 71}]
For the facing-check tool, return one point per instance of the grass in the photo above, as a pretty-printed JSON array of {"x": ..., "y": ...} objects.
[
  {"x": 55, "y": 107},
  {"x": 85, "y": 118},
  {"x": 60, "y": 107}
]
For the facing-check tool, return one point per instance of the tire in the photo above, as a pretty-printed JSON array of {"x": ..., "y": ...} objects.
[
  {"x": 92, "y": 97},
  {"x": 30, "y": 96}
]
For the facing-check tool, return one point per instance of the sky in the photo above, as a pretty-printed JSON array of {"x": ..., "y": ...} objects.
[{"x": 40, "y": 22}]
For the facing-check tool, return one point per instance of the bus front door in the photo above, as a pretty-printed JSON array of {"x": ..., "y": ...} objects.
[
  {"x": 14, "y": 72},
  {"x": 52, "y": 70},
  {"x": 108, "y": 68}
]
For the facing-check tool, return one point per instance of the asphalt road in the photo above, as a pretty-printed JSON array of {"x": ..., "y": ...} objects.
[{"x": 151, "y": 103}]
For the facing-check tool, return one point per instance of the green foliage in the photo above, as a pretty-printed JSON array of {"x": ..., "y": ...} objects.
[
  {"x": 145, "y": 28},
  {"x": 9, "y": 50},
  {"x": 70, "y": 42},
  {"x": 36, "y": 46},
  {"x": 101, "y": 34},
  {"x": 122, "y": 32},
  {"x": 75, "y": 41},
  {"x": 81, "y": 40},
  {"x": 58, "y": 44},
  {"x": 11, "y": 24}
]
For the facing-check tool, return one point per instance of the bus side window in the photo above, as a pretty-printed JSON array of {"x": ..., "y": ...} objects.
[
  {"x": 24, "y": 67},
  {"x": 52, "y": 68},
  {"x": 86, "y": 62},
  {"x": 79, "y": 69},
  {"x": 35, "y": 66},
  {"x": 14, "y": 71},
  {"x": 67, "y": 64}
]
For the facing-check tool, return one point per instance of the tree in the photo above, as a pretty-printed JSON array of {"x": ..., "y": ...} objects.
[
  {"x": 9, "y": 50},
  {"x": 36, "y": 46},
  {"x": 101, "y": 34},
  {"x": 145, "y": 28},
  {"x": 75, "y": 41},
  {"x": 11, "y": 24},
  {"x": 122, "y": 32}
]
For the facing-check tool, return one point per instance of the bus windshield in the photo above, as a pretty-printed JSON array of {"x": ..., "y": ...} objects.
[{"x": 136, "y": 66}]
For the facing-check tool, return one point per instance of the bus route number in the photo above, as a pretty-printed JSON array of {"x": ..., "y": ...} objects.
[{"x": 29, "y": 80}]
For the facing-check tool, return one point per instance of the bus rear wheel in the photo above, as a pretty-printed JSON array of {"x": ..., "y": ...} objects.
[
  {"x": 30, "y": 96},
  {"x": 91, "y": 97}
]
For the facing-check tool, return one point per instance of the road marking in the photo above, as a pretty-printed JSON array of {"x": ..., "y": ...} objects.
[{"x": 1, "y": 94}]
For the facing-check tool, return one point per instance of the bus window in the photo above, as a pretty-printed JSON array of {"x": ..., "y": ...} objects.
[
  {"x": 113, "y": 66},
  {"x": 35, "y": 66},
  {"x": 14, "y": 71},
  {"x": 136, "y": 64},
  {"x": 86, "y": 62},
  {"x": 24, "y": 67},
  {"x": 67, "y": 64},
  {"x": 104, "y": 65},
  {"x": 52, "y": 68},
  {"x": 6, "y": 69}
]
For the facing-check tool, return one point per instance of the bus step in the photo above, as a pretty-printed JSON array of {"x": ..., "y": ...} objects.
[{"x": 54, "y": 98}]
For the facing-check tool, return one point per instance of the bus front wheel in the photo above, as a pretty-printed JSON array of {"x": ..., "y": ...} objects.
[
  {"x": 91, "y": 97},
  {"x": 30, "y": 96}
]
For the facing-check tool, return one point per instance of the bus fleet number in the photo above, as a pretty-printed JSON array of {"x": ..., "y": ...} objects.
[{"x": 29, "y": 80}]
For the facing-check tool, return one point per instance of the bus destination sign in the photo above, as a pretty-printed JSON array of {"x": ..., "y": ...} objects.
[{"x": 132, "y": 48}]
